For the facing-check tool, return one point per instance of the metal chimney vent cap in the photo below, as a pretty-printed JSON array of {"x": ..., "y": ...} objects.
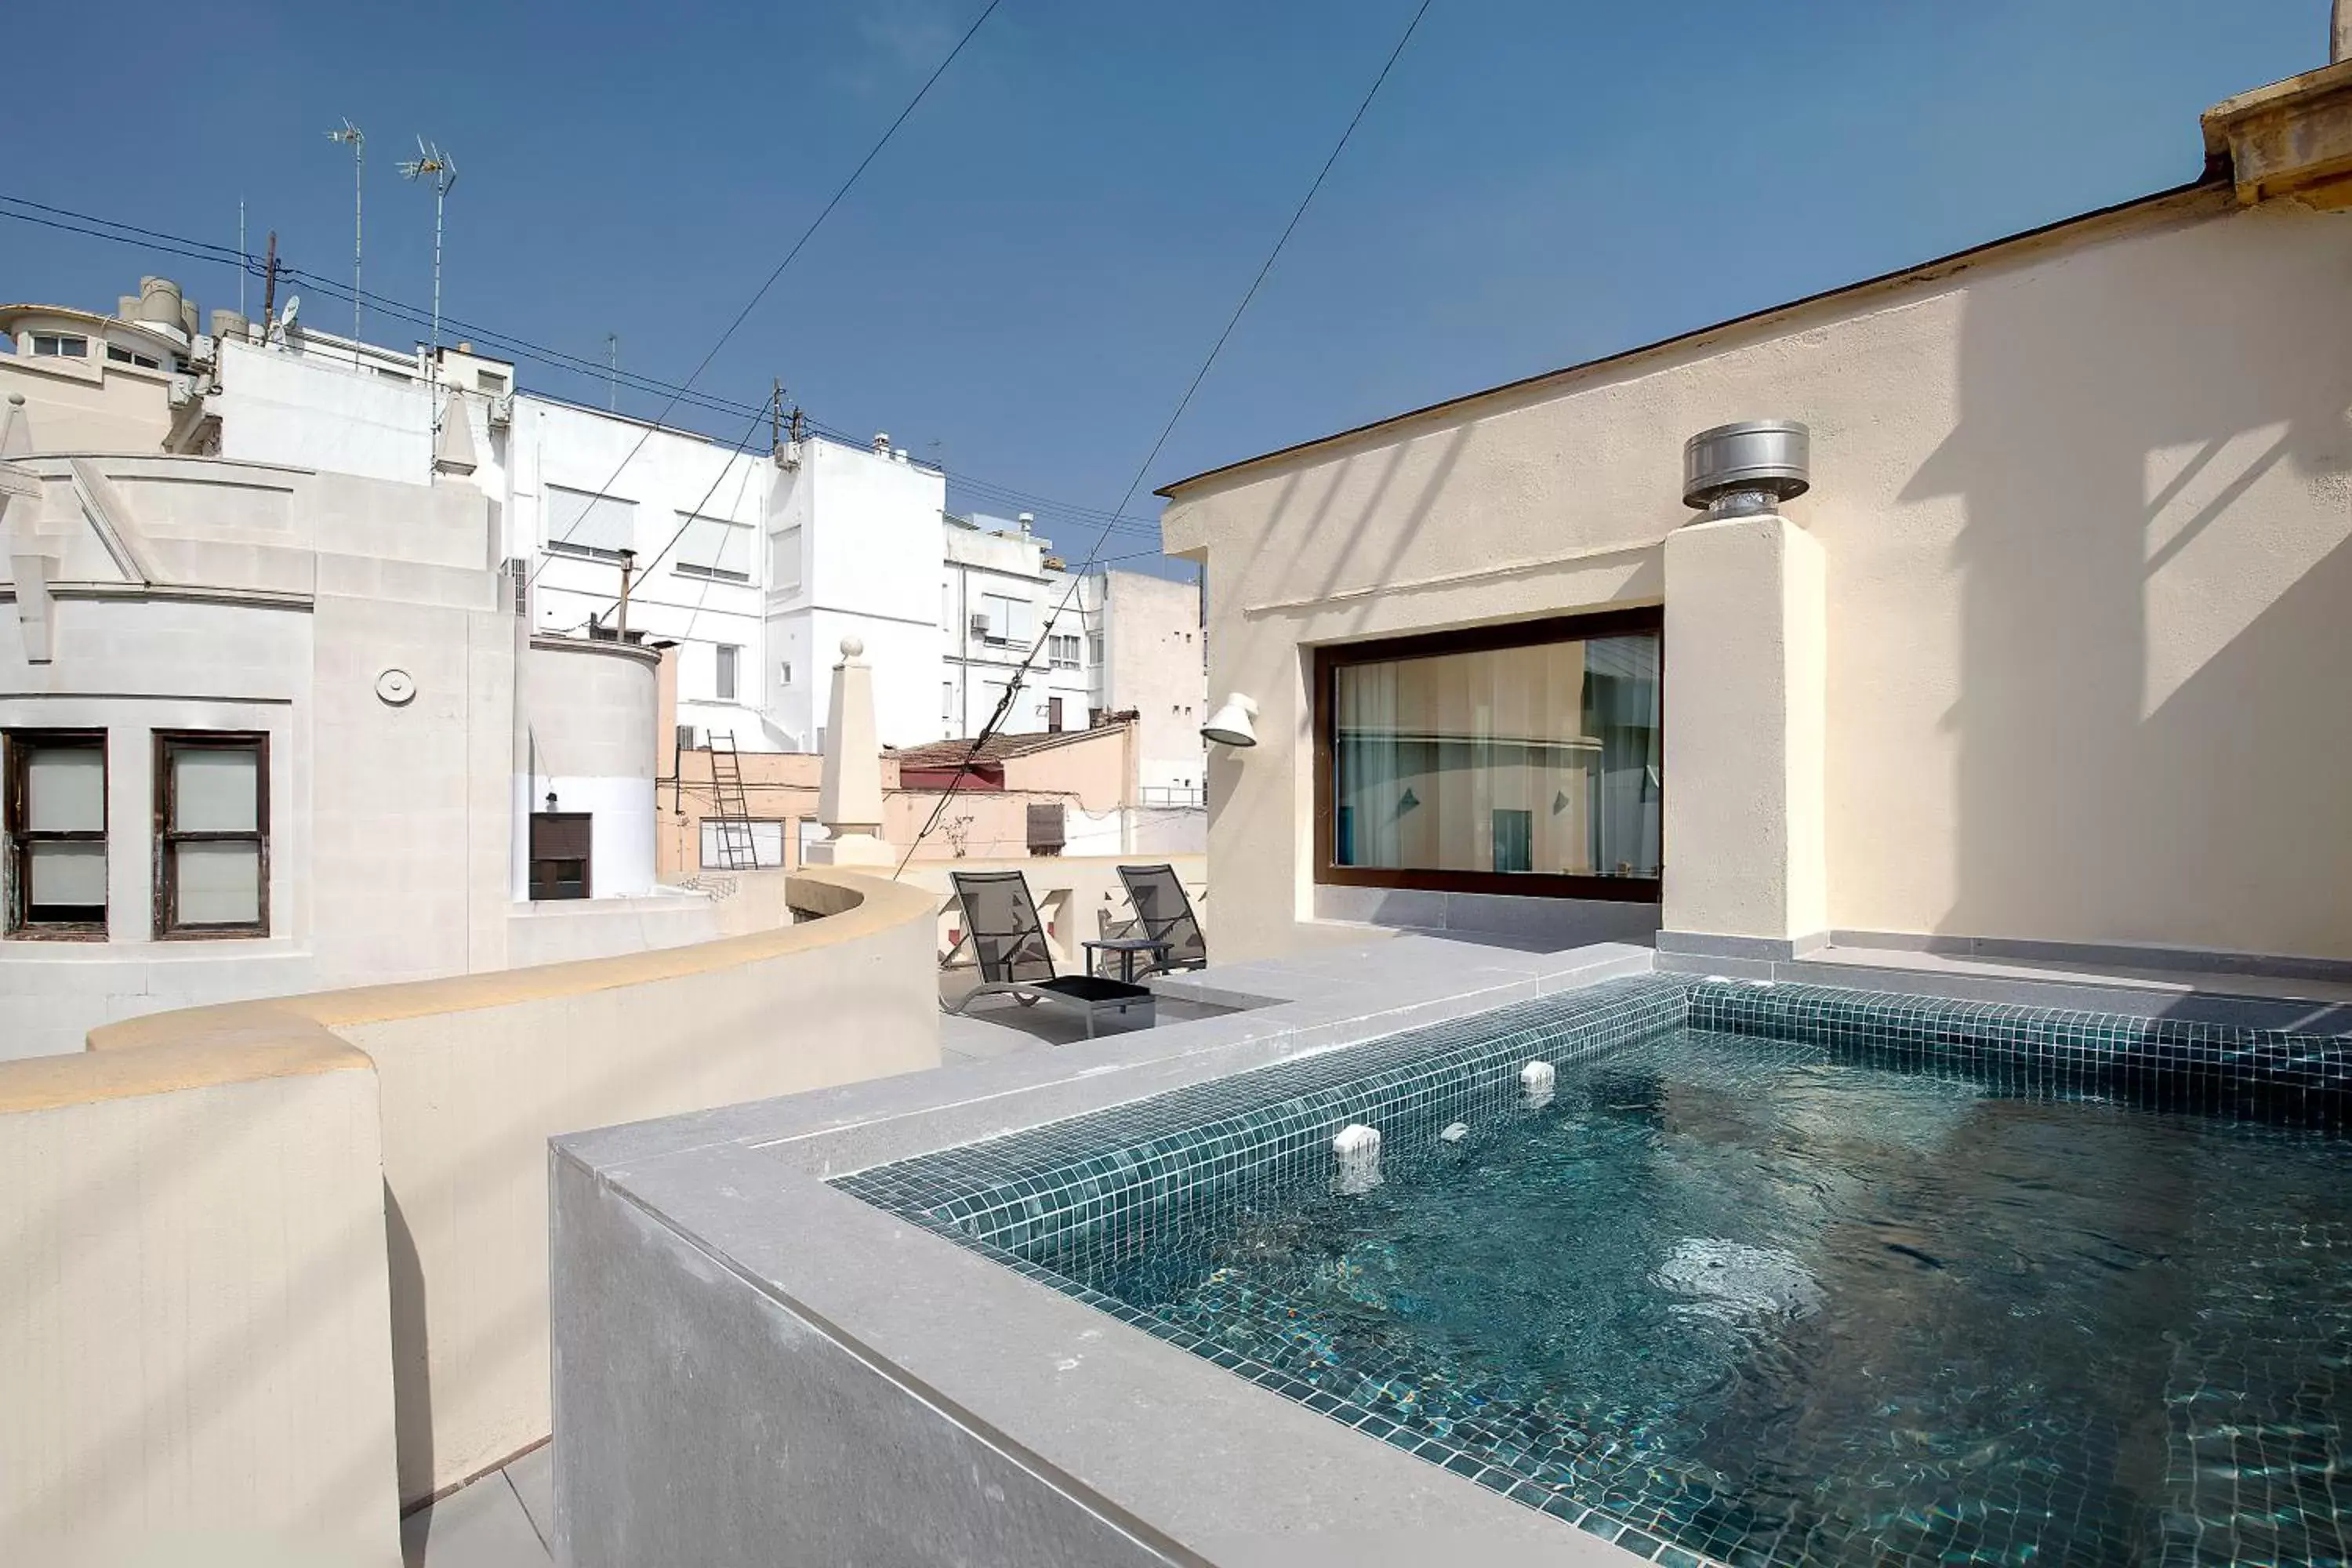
[{"x": 1769, "y": 457}]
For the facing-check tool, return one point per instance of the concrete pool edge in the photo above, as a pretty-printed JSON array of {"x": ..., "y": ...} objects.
[
  {"x": 1097, "y": 1442},
  {"x": 997, "y": 1419}
]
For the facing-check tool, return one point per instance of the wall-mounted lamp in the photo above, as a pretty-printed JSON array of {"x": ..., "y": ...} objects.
[
  {"x": 551, "y": 800},
  {"x": 1230, "y": 724}
]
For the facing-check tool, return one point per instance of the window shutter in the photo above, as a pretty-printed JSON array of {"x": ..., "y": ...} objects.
[
  {"x": 784, "y": 560},
  {"x": 1044, "y": 829},
  {"x": 715, "y": 547},
  {"x": 582, "y": 520}
]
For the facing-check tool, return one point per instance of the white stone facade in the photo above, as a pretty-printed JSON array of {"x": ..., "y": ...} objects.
[{"x": 358, "y": 638}]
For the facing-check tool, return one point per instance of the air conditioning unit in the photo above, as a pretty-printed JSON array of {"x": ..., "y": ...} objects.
[
  {"x": 980, "y": 626},
  {"x": 502, "y": 412}
]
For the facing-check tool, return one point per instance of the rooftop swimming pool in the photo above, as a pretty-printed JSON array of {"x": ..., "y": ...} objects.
[{"x": 1771, "y": 1274}]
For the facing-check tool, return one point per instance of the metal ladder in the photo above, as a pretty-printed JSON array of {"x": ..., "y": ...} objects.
[{"x": 737, "y": 849}]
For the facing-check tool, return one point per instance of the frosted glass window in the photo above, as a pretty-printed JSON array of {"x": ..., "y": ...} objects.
[
  {"x": 64, "y": 790},
  {"x": 213, "y": 854},
  {"x": 66, "y": 874},
  {"x": 54, "y": 839},
  {"x": 217, "y": 791},
  {"x": 219, "y": 883},
  {"x": 1537, "y": 759}
]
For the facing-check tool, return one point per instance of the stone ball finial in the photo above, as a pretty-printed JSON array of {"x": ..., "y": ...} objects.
[
  {"x": 852, "y": 646},
  {"x": 17, "y": 398}
]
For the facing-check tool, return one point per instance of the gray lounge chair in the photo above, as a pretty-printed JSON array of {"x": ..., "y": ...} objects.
[
  {"x": 1165, "y": 914},
  {"x": 1008, "y": 942}
]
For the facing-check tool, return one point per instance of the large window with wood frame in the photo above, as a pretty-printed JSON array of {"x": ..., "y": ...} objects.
[
  {"x": 212, "y": 835},
  {"x": 1515, "y": 759},
  {"x": 54, "y": 823}
]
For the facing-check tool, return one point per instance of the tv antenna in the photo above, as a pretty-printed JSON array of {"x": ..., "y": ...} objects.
[
  {"x": 431, "y": 164},
  {"x": 353, "y": 137}
]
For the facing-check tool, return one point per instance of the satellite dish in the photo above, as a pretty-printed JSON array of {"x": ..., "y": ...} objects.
[{"x": 293, "y": 303}]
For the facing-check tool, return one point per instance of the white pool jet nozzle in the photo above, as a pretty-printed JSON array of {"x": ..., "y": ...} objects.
[
  {"x": 1358, "y": 1149},
  {"x": 1536, "y": 1078}
]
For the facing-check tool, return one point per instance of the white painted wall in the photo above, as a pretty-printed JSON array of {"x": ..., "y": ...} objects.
[
  {"x": 307, "y": 410},
  {"x": 868, "y": 529},
  {"x": 588, "y": 716},
  {"x": 672, "y": 475}
]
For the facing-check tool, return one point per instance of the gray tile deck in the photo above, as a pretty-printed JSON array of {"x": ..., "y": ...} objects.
[{"x": 505, "y": 1519}]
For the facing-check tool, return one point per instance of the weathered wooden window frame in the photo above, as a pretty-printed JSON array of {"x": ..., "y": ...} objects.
[
  {"x": 19, "y": 746},
  {"x": 168, "y": 927}
]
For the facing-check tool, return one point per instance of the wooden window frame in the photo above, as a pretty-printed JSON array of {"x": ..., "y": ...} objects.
[
  {"x": 168, "y": 924},
  {"x": 1329, "y": 658},
  {"x": 19, "y": 745}
]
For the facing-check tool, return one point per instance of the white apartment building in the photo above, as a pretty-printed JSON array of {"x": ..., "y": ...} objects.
[
  {"x": 754, "y": 565},
  {"x": 851, "y": 551},
  {"x": 267, "y": 730},
  {"x": 1003, "y": 590}
]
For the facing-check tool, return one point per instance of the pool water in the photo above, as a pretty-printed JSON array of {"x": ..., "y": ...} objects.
[{"x": 1775, "y": 1306}]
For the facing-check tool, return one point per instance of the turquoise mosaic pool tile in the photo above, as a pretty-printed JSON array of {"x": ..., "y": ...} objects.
[{"x": 1069, "y": 1197}]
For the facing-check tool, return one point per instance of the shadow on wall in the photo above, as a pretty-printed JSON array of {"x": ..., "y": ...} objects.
[
  {"x": 412, "y": 1357},
  {"x": 2151, "y": 456},
  {"x": 1342, "y": 570}
]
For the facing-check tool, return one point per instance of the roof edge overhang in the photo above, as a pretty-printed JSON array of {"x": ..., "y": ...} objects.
[{"x": 2216, "y": 179}]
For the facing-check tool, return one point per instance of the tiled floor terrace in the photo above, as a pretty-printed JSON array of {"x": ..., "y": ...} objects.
[{"x": 505, "y": 1519}]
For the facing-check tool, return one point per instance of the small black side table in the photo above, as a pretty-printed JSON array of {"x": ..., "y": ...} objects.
[{"x": 1126, "y": 947}]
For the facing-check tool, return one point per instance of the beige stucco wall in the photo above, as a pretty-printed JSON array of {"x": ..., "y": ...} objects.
[
  {"x": 90, "y": 406},
  {"x": 1152, "y": 664},
  {"x": 234, "y": 1311},
  {"x": 195, "y": 1355},
  {"x": 2083, "y": 506},
  {"x": 1094, "y": 771},
  {"x": 1745, "y": 617},
  {"x": 477, "y": 1073}
]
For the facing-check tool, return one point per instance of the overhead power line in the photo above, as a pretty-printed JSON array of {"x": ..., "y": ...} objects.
[
  {"x": 513, "y": 345},
  {"x": 1013, "y": 686},
  {"x": 799, "y": 245}
]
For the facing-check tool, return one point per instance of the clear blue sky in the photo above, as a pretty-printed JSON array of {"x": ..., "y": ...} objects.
[{"x": 1031, "y": 273}]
